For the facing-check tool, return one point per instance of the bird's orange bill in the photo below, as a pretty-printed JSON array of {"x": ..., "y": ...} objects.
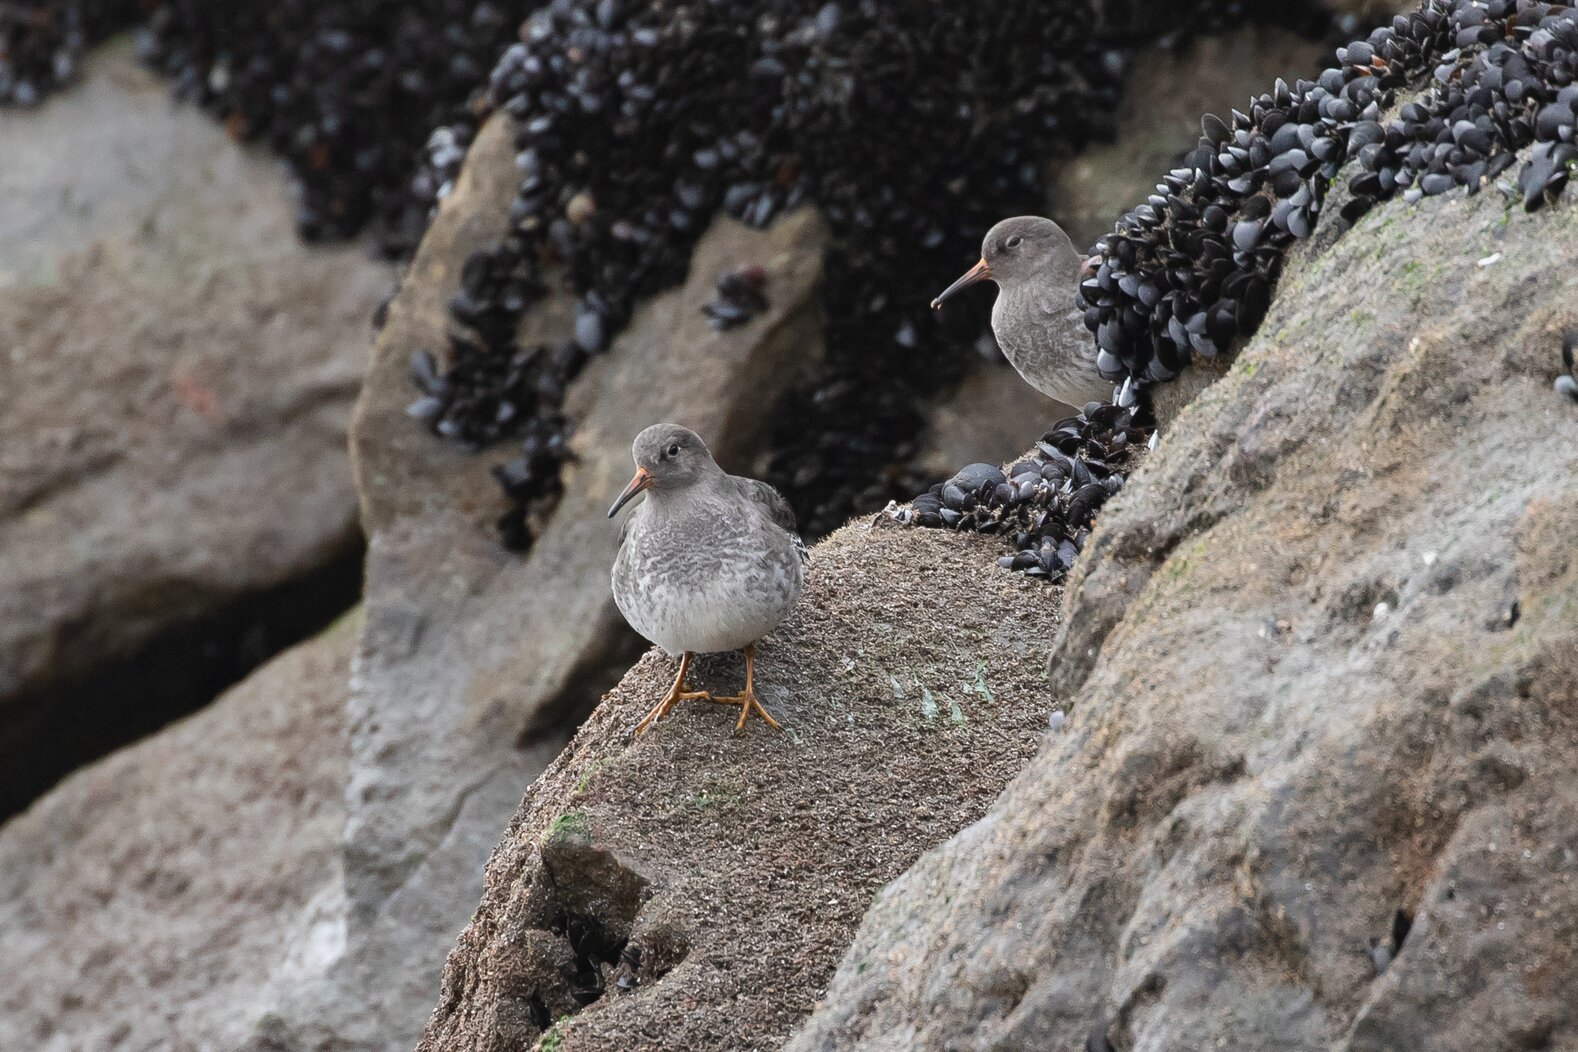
[
  {"x": 640, "y": 482},
  {"x": 979, "y": 272}
]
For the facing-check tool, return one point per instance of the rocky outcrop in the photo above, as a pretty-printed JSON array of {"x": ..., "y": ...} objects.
[
  {"x": 466, "y": 677},
  {"x": 1316, "y": 787},
  {"x": 1313, "y": 789},
  {"x": 474, "y": 661},
  {"x": 174, "y": 394},
  {"x": 691, "y": 889},
  {"x": 468, "y": 666},
  {"x": 162, "y": 897}
]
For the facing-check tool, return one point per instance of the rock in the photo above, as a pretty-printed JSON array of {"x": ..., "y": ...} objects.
[
  {"x": 174, "y": 394},
  {"x": 988, "y": 417},
  {"x": 474, "y": 661},
  {"x": 159, "y": 898},
  {"x": 1321, "y": 657},
  {"x": 697, "y": 888}
]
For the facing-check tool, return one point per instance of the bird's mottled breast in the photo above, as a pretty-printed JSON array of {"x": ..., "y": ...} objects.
[{"x": 715, "y": 576}]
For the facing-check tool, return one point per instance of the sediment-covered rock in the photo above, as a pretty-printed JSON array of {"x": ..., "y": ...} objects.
[
  {"x": 692, "y": 889},
  {"x": 1316, "y": 787},
  {"x": 175, "y": 388}
]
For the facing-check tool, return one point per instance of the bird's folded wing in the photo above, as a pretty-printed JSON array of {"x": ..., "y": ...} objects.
[{"x": 770, "y": 500}]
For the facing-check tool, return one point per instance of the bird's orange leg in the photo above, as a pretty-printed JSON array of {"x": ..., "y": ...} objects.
[
  {"x": 746, "y": 700},
  {"x": 676, "y": 694}
]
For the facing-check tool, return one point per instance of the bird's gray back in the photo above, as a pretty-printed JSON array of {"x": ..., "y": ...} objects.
[{"x": 769, "y": 499}]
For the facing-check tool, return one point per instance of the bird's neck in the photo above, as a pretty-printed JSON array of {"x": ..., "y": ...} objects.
[{"x": 684, "y": 499}]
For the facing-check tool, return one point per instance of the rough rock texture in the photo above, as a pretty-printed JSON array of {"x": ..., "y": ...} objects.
[
  {"x": 1322, "y": 655},
  {"x": 175, "y": 388},
  {"x": 702, "y": 885},
  {"x": 474, "y": 660},
  {"x": 159, "y": 898}
]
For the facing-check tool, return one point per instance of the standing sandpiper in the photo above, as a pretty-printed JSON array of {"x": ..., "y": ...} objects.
[
  {"x": 709, "y": 562},
  {"x": 1035, "y": 319}
]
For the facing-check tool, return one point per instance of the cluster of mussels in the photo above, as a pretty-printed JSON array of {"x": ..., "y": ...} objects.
[
  {"x": 741, "y": 296},
  {"x": 1567, "y": 383},
  {"x": 1046, "y": 502},
  {"x": 42, "y": 41},
  {"x": 346, "y": 92},
  {"x": 1190, "y": 270},
  {"x": 912, "y": 126}
]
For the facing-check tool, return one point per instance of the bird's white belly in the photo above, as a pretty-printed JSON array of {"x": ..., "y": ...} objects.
[
  {"x": 725, "y": 606},
  {"x": 722, "y": 613}
]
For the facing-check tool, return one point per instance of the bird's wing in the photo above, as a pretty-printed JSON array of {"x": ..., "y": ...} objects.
[
  {"x": 769, "y": 500},
  {"x": 778, "y": 510}
]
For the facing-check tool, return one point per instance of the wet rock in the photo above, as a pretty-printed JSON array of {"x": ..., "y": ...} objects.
[
  {"x": 177, "y": 382},
  {"x": 1045, "y": 502},
  {"x": 1257, "y": 773},
  {"x": 732, "y": 870},
  {"x": 162, "y": 897}
]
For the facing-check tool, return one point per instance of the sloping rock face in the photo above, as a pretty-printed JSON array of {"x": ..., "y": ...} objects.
[
  {"x": 162, "y": 897},
  {"x": 691, "y": 889},
  {"x": 1317, "y": 786},
  {"x": 175, "y": 390}
]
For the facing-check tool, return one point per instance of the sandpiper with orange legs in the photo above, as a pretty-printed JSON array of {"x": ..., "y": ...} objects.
[{"x": 708, "y": 563}]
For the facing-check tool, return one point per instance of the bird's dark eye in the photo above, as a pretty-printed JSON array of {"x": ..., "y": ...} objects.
[
  {"x": 1013, "y": 242},
  {"x": 673, "y": 451}
]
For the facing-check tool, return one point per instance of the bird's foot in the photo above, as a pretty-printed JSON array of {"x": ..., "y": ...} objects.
[
  {"x": 663, "y": 707},
  {"x": 747, "y": 703}
]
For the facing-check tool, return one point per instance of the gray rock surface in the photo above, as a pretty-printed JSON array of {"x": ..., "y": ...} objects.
[
  {"x": 161, "y": 898},
  {"x": 175, "y": 385},
  {"x": 705, "y": 885},
  {"x": 1322, "y": 664},
  {"x": 475, "y": 662}
]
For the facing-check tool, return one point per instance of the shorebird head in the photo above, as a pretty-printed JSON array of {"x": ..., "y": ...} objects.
[
  {"x": 668, "y": 457},
  {"x": 1018, "y": 250}
]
